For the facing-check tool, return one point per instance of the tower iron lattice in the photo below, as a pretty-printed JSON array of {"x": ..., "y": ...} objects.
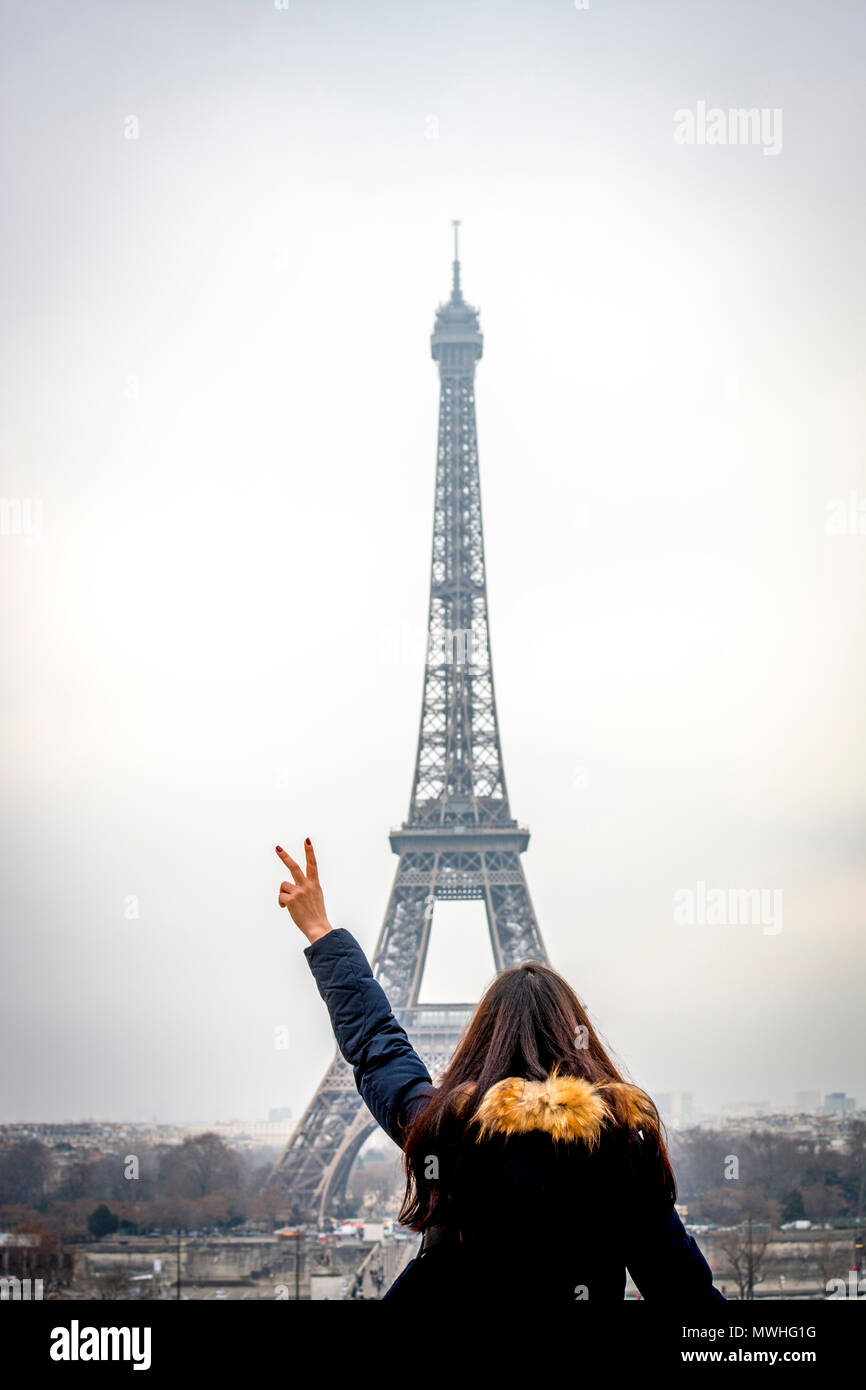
[{"x": 459, "y": 840}]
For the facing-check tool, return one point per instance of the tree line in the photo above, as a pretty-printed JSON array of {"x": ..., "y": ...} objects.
[
  {"x": 771, "y": 1176},
  {"x": 200, "y": 1183}
]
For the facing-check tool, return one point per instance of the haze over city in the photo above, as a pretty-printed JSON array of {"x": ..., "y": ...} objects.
[{"x": 219, "y": 402}]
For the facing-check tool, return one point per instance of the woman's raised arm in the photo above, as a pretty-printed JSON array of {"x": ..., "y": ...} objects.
[{"x": 390, "y": 1076}]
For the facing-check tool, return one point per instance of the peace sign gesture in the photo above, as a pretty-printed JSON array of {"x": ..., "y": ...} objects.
[{"x": 303, "y": 897}]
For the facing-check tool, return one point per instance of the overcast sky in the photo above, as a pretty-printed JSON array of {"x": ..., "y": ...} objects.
[{"x": 219, "y": 411}]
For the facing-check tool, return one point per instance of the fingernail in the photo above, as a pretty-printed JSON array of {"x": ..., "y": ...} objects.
[
  {"x": 308, "y": 841},
  {"x": 279, "y": 849}
]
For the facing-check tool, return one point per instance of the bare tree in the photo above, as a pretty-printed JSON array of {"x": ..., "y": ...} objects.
[
  {"x": 25, "y": 1169},
  {"x": 199, "y": 1167},
  {"x": 113, "y": 1286},
  {"x": 745, "y": 1249}
]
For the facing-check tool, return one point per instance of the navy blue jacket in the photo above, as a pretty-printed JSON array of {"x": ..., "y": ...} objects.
[{"x": 555, "y": 1221}]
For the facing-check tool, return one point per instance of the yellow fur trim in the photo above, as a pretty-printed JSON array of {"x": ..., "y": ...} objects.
[
  {"x": 565, "y": 1107},
  {"x": 630, "y": 1104}
]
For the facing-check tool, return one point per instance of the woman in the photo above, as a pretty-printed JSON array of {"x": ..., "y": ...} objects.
[{"x": 534, "y": 1171}]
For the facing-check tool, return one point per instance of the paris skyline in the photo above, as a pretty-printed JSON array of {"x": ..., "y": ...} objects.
[{"x": 219, "y": 404}]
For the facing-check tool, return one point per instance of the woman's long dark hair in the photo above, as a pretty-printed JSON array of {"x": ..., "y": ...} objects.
[{"x": 529, "y": 1023}]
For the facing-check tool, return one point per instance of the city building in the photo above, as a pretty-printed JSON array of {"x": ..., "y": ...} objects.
[{"x": 837, "y": 1103}]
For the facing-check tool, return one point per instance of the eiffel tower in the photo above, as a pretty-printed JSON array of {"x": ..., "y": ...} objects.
[{"x": 459, "y": 840}]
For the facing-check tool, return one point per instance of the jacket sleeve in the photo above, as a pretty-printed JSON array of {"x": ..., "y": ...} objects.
[
  {"x": 391, "y": 1078},
  {"x": 664, "y": 1261}
]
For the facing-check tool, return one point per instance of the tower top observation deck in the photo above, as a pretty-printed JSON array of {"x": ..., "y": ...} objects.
[{"x": 456, "y": 342}]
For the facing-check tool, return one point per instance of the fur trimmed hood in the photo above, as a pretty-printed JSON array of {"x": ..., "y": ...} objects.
[{"x": 565, "y": 1107}]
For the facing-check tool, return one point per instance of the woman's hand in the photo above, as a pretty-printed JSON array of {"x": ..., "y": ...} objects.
[{"x": 303, "y": 897}]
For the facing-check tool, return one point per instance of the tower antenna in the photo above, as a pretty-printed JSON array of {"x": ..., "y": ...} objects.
[{"x": 456, "y": 294}]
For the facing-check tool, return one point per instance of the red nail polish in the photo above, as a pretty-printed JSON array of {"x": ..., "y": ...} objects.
[
  {"x": 279, "y": 849},
  {"x": 308, "y": 841}
]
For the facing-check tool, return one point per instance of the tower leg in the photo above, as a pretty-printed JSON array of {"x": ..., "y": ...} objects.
[
  {"x": 304, "y": 1172},
  {"x": 513, "y": 925}
]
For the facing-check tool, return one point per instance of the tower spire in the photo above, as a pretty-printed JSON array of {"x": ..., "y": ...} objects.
[{"x": 456, "y": 292}]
